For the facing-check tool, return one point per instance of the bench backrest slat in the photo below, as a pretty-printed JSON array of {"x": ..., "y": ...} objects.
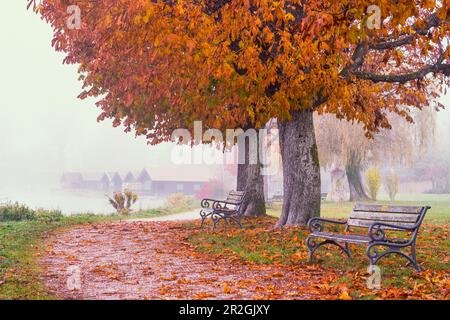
[
  {"x": 237, "y": 193},
  {"x": 367, "y": 223},
  {"x": 235, "y": 197},
  {"x": 403, "y": 216},
  {"x": 232, "y": 198},
  {"x": 390, "y": 209},
  {"x": 383, "y": 216}
]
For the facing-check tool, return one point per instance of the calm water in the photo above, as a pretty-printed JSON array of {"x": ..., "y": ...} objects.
[{"x": 69, "y": 202}]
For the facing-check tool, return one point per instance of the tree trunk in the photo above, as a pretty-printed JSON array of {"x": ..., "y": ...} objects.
[
  {"x": 301, "y": 170},
  {"x": 242, "y": 176},
  {"x": 355, "y": 184},
  {"x": 249, "y": 179}
]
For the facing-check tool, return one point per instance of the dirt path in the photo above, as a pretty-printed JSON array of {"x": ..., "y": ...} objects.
[
  {"x": 189, "y": 215},
  {"x": 152, "y": 260}
]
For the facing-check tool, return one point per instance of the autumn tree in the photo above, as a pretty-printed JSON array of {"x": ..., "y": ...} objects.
[{"x": 159, "y": 65}]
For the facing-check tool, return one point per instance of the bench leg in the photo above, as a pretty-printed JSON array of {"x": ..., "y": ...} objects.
[
  {"x": 375, "y": 256},
  {"x": 413, "y": 260},
  {"x": 203, "y": 222},
  {"x": 313, "y": 246},
  {"x": 216, "y": 217},
  {"x": 237, "y": 220},
  {"x": 203, "y": 215},
  {"x": 347, "y": 250}
]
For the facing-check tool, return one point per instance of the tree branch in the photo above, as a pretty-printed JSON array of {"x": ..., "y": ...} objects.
[
  {"x": 404, "y": 77},
  {"x": 357, "y": 59},
  {"x": 432, "y": 21}
]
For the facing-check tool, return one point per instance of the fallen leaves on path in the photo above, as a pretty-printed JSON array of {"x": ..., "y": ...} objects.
[
  {"x": 160, "y": 260},
  {"x": 153, "y": 260}
]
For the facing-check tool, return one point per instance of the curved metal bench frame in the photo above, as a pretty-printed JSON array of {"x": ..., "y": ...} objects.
[
  {"x": 219, "y": 210},
  {"x": 376, "y": 238}
]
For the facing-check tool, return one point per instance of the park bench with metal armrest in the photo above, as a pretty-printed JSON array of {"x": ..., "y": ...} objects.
[
  {"x": 228, "y": 209},
  {"x": 380, "y": 222}
]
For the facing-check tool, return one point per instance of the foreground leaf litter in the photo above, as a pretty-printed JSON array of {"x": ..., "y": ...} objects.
[{"x": 157, "y": 260}]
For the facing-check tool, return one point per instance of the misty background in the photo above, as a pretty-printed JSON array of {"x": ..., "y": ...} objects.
[{"x": 45, "y": 130}]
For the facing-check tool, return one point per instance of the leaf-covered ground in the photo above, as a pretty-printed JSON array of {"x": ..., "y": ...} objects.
[
  {"x": 333, "y": 275},
  {"x": 21, "y": 244},
  {"x": 172, "y": 260},
  {"x": 153, "y": 260},
  {"x": 20, "y": 247}
]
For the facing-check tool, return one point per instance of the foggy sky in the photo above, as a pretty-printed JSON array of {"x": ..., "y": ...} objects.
[{"x": 44, "y": 127}]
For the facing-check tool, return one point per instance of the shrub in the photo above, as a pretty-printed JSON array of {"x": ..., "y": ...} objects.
[
  {"x": 15, "y": 212},
  {"x": 391, "y": 185},
  {"x": 373, "y": 182},
  {"x": 48, "y": 215},
  {"x": 178, "y": 202},
  {"x": 122, "y": 201},
  {"x": 19, "y": 212}
]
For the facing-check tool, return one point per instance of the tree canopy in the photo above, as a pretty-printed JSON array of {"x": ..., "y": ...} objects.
[{"x": 159, "y": 65}]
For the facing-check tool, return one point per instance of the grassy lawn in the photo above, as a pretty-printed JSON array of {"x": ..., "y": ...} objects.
[{"x": 439, "y": 212}]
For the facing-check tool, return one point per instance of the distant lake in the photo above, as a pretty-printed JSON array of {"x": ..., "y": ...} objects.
[{"x": 68, "y": 201}]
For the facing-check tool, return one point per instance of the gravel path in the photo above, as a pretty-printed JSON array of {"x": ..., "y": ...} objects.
[{"x": 153, "y": 260}]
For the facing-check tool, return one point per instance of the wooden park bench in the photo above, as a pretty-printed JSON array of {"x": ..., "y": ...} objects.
[
  {"x": 382, "y": 223},
  {"x": 228, "y": 209}
]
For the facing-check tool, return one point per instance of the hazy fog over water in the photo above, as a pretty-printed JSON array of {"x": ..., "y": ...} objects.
[{"x": 45, "y": 130}]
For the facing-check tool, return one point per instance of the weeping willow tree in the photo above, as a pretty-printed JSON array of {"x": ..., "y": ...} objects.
[{"x": 341, "y": 144}]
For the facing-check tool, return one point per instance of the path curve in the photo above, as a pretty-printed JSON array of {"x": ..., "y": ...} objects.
[
  {"x": 183, "y": 216},
  {"x": 153, "y": 260}
]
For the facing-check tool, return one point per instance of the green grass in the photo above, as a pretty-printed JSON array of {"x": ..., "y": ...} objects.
[{"x": 439, "y": 212}]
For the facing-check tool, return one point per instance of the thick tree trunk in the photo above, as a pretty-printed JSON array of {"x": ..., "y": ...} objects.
[
  {"x": 301, "y": 170},
  {"x": 355, "y": 184},
  {"x": 249, "y": 179},
  {"x": 242, "y": 177}
]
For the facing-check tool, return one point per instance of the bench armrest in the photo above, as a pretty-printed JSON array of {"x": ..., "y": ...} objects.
[
  {"x": 316, "y": 224},
  {"x": 206, "y": 202},
  {"x": 220, "y": 204},
  {"x": 376, "y": 232},
  {"x": 217, "y": 204}
]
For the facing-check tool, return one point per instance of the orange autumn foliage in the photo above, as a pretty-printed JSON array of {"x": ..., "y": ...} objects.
[{"x": 160, "y": 65}]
